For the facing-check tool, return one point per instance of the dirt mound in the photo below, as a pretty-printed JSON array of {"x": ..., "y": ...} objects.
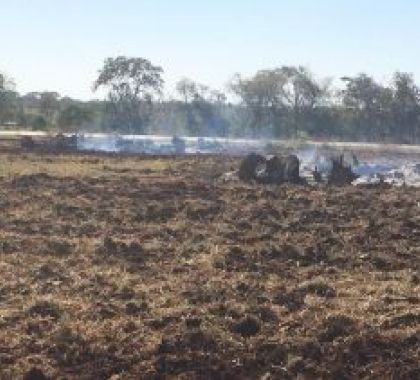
[{"x": 247, "y": 327}]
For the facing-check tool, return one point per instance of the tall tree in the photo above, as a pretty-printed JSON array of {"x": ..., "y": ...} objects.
[
  {"x": 406, "y": 105},
  {"x": 49, "y": 105},
  {"x": 203, "y": 108},
  {"x": 368, "y": 103},
  {"x": 8, "y": 99},
  {"x": 6, "y": 83},
  {"x": 73, "y": 117},
  {"x": 132, "y": 84},
  {"x": 259, "y": 96},
  {"x": 279, "y": 98},
  {"x": 300, "y": 93}
]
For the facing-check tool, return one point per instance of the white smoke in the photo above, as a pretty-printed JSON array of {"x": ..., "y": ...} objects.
[{"x": 381, "y": 166}]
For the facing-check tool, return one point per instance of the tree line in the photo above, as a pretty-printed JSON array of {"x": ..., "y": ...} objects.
[{"x": 282, "y": 102}]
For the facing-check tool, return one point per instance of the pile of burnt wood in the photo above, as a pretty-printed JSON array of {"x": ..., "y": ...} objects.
[{"x": 270, "y": 170}]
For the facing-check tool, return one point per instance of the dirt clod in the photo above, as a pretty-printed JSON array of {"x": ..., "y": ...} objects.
[{"x": 45, "y": 309}]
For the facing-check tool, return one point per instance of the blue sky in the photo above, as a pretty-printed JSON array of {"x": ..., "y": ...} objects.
[{"x": 60, "y": 44}]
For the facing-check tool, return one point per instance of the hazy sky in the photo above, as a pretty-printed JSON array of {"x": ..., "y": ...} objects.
[{"x": 60, "y": 44}]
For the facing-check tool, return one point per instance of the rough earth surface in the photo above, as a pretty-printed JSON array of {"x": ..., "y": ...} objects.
[{"x": 124, "y": 267}]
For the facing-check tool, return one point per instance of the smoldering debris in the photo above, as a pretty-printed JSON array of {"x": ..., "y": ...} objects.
[
  {"x": 317, "y": 163},
  {"x": 341, "y": 173},
  {"x": 365, "y": 168},
  {"x": 145, "y": 144},
  {"x": 179, "y": 145},
  {"x": 27, "y": 142},
  {"x": 162, "y": 145},
  {"x": 331, "y": 169},
  {"x": 57, "y": 143}
]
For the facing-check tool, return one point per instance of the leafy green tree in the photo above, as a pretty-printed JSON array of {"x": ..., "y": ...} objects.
[
  {"x": 2, "y": 82},
  {"x": 203, "y": 108},
  {"x": 6, "y": 83},
  {"x": 406, "y": 105},
  {"x": 49, "y": 106},
  {"x": 8, "y": 99},
  {"x": 73, "y": 117},
  {"x": 259, "y": 96},
  {"x": 192, "y": 94},
  {"x": 279, "y": 98},
  {"x": 189, "y": 90},
  {"x": 132, "y": 84},
  {"x": 301, "y": 94},
  {"x": 368, "y": 103},
  {"x": 39, "y": 123}
]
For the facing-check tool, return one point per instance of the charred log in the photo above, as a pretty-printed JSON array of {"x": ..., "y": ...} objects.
[{"x": 249, "y": 165}]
